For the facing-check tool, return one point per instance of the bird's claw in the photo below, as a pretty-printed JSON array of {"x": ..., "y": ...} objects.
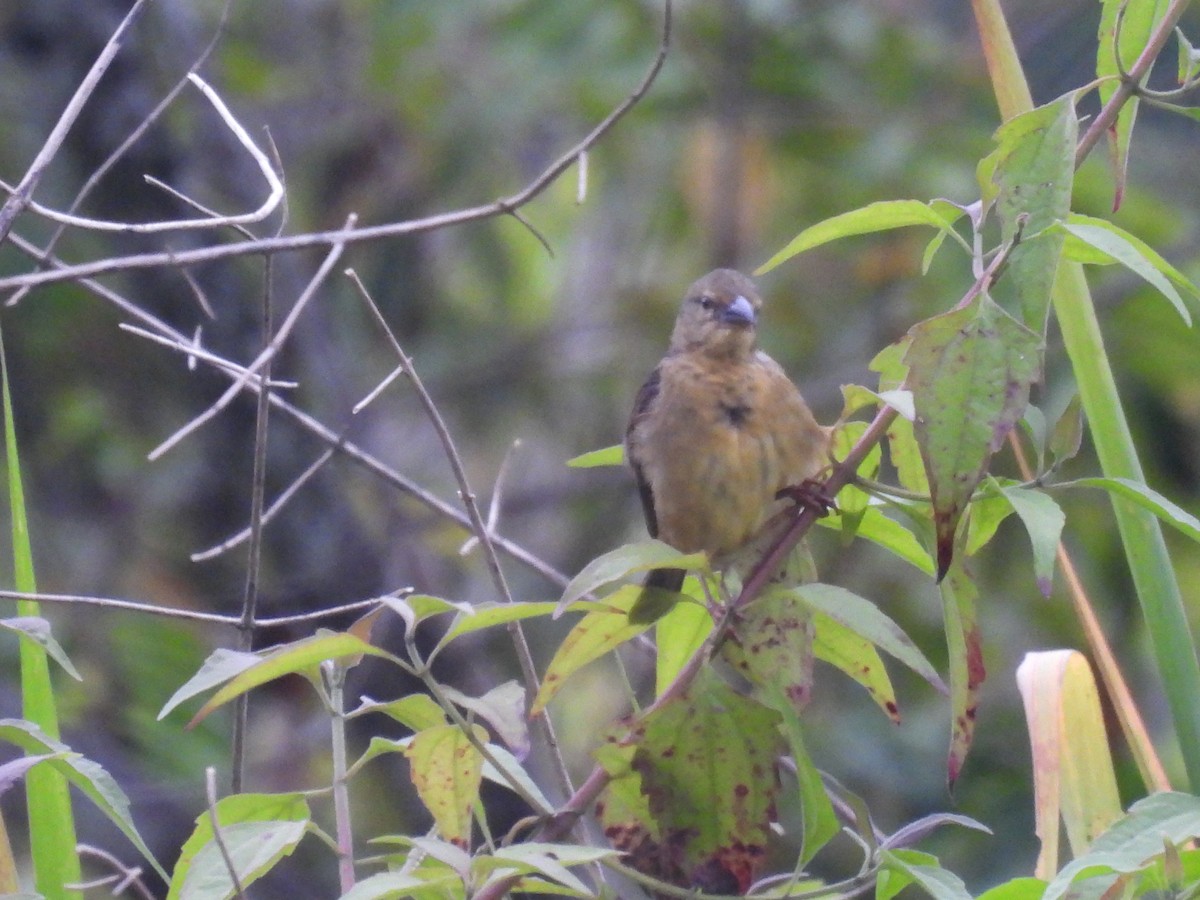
[{"x": 809, "y": 494}]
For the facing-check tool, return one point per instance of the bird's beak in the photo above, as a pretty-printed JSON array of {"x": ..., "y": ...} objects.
[{"x": 739, "y": 312}]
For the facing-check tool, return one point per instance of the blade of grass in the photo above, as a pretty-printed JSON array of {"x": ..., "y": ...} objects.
[
  {"x": 51, "y": 824},
  {"x": 1145, "y": 549}
]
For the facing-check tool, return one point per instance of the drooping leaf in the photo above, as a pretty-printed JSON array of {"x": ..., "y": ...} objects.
[
  {"x": 626, "y": 560},
  {"x": 593, "y": 636},
  {"x": 924, "y": 870},
  {"x": 1072, "y": 767},
  {"x": 970, "y": 371},
  {"x": 1033, "y": 167},
  {"x": 257, "y": 830},
  {"x": 1099, "y": 242},
  {"x": 1067, "y": 436},
  {"x": 1043, "y": 520},
  {"x": 1149, "y": 499},
  {"x": 502, "y": 707},
  {"x": 678, "y": 635},
  {"x": 551, "y": 860},
  {"x": 964, "y": 646},
  {"x": 89, "y": 777},
  {"x": 867, "y": 620},
  {"x": 488, "y": 615},
  {"x": 395, "y": 885},
  {"x": 818, "y": 819},
  {"x": 706, "y": 759},
  {"x": 509, "y": 771},
  {"x": 883, "y": 215},
  {"x": 892, "y": 536},
  {"x": 300, "y": 657},
  {"x": 37, "y": 629},
  {"x": 446, "y": 770},
  {"x": 857, "y": 657},
  {"x": 415, "y": 711}
]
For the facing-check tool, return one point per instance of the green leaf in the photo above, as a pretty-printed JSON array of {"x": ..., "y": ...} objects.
[
  {"x": 37, "y": 629},
  {"x": 1097, "y": 241},
  {"x": 257, "y": 830},
  {"x": 867, "y": 620},
  {"x": 857, "y": 657},
  {"x": 300, "y": 657},
  {"x": 964, "y": 648},
  {"x": 628, "y": 559},
  {"x": 593, "y": 636},
  {"x": 514, "y": 772},
  {"x": 923, "y": 870},
  {"x": 446, "y": 770},
  {"x": 551, "y": 860},
  {"x": 1189, "y": 58},
  {"x": 221, "y": 666},
  {"x": 880, "y": 216},
  {"x": 889, "y": 534},
  {"x": 1134, "y": 840},
  {"x": 488, "y": 615},
  {"x": 707, "y": 760},
  {"x": 819, "y": 821},
  {"x": 51, "y": 822},
  {"x": 394, "y": 885},
  {"x": 773, "y": 645},
  {"x": 1067, "y": 437},
  {"x": 415, "y": 712},
  {"x": 88, "y": 776},
  {"x": 1136, "y": 23},
  {"x": 1017, "y": 889},
  {"x": 970, "y": 371},
  {"x": 1044, "y": 520},
  {"x": 502, "y": 707},
  {"x": 1034, "y": 166},
  {"x": 606, "y": 456},
  {"x": 678, "y": 635},
  {"x": 1148, "y": 499}
]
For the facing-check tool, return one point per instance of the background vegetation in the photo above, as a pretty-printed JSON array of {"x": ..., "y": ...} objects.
[{"x": 768, "y": 116}]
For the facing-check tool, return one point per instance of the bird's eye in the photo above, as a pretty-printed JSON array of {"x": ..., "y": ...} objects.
[{"x": 706, "y": 302}]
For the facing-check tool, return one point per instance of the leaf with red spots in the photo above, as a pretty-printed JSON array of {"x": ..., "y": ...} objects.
[
  {"x": 707, "y": 766},
  {"x": 970, "y": 371},
  {"x": 857, "y": 657},
  {"x": 965, "y": 648},
  {"x": 772, "y": 645},
  {"x": 446, "y": 771}
]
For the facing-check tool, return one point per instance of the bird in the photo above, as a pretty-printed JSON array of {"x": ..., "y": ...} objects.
[{"x": 717, "y": 436}]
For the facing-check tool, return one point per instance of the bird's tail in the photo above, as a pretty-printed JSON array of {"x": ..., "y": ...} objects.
[{"x": 658, "y": 595}]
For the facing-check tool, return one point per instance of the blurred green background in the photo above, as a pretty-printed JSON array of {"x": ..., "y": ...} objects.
[{"x": 768, "y": 117}]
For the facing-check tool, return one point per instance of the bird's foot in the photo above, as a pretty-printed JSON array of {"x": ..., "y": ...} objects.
[{"x": 809, "y": 494}]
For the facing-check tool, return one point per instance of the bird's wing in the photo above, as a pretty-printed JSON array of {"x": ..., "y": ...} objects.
[{"x": 641, "y": 406}]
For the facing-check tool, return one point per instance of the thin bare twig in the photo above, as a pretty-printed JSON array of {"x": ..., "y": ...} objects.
[
  {"x": 213, "y": 220},
  {"x": 22, "y": 194},
  {"x": 267, "y": 354},
  {"x": 210, "y": 792},
  {"x": 123, "y": 878},
  {"x": 347, "y": 235}
]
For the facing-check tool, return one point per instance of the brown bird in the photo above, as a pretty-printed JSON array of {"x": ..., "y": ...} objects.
[{"x": 718, "y": 431}]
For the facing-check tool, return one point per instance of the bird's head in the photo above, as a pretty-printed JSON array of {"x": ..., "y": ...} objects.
[{"x": 719, "y": 315}]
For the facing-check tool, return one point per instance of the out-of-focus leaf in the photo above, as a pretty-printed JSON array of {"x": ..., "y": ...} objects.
[
  {"x": 1189, "y": 58},
  {"x": 502, "y": 707},
  {"x": 818, "y": 820},
  {"x": 881, "y": 216},
  {"x": 1068, "y": 431},
  {"x": 1134, "y": 840},
  {"x": 678, "y": 635},
  {"x": 1149, "y": 499},
  {"x": 605, "y": 456},
  {"x": 1017, "y": 889},
  {"x": 551, "y": 860},
  {"x": 513, "y": 771},
  {"x": 889, "y": 534},
  {"x": 970, "y": 371},
  {"x": 416, "y": 711},
  {"x": 921, "y": 828},
  {"x": 772, "y": 645},
  {"x": 395, "y": 885},
  {"x": 924, "y": 870},
  {"x": 88, "y": 776},
  {"x": 1072, "y": 767},
  {"x": 593, "y": 636}
]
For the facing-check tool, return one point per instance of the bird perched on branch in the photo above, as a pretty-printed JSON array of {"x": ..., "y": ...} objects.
[{"x": 718, "y": 434}]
